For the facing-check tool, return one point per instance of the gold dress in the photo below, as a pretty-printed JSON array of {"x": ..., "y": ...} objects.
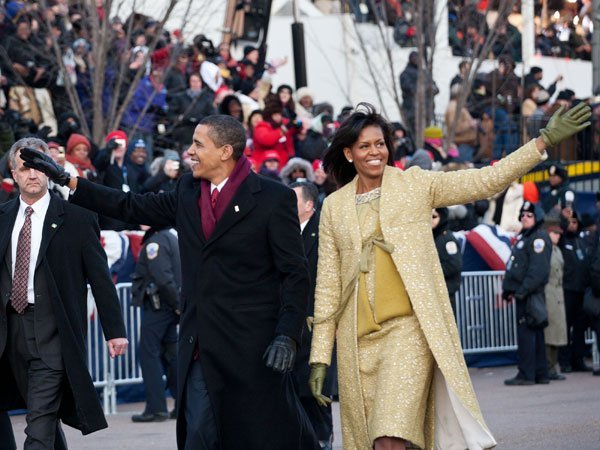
[{"x": 395, "y": 362}]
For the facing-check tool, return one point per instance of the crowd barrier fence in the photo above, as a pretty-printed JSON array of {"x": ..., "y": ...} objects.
[{"x": 485, "y": 323}]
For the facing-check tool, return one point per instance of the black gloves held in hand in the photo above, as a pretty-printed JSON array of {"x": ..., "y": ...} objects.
[
  {"x": 281, "y": 353},
  {"x": 34, "y": 159},
  {"x": 112, "y": 144}
]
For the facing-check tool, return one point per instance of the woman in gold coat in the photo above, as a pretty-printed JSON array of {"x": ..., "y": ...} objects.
[{"x": 381, "y": 293}]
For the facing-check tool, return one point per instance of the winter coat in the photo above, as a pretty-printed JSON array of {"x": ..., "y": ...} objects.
[
  {"x": 556, "y": 331},
  {"x": 453, "y": 418}
]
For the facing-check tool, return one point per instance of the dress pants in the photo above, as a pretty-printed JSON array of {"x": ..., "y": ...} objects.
[
  {"x": 573, "y": 353},
  {"x": 158, "y": 341},
  {"x": 531, "y": 353},
  {"x": 202, "y": 433},
  {"x": 39, "y": 384}
]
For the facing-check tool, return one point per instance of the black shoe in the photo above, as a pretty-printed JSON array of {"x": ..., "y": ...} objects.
[
  {"x": 173, "y": 414},
  {"x": 542, "y": 381},
  {"x": 582, "y": 367},
  {"x": 150, "y": 417},
  {"x": 566, "y": 369},
  {"x": 597, "y": 372},
  {"x": 516, "y": 381},
  {"x": 556, "y": 376}
]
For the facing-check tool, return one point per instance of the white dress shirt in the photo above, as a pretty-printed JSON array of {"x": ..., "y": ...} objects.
[
  {"x": 219, "y": 186},
  {"x": 37, "y": 223},
  {"x": 303, "y": 225}
]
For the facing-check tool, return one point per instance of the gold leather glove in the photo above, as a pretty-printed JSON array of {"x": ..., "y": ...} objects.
[{"x": 315, "y": 382}]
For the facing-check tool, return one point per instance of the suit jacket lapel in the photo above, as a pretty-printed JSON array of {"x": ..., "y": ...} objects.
[
  {"x": 52, "y": 223},
  {"x": 8, "y": 214},
  {"x": 309, "y": 235},
  {"x": 190, "y": 204},
  {"x": 241, "y": 204}
]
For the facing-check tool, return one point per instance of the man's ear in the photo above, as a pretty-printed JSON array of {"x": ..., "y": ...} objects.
[{"x": 227, "y": 152}]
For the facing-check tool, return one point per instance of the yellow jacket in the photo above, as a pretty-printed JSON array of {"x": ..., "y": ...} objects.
[{"x": 453, "y": 418}]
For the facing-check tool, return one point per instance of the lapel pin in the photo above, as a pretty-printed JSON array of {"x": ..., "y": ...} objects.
[
  {"x": 54, "y": 225},
  {"x": 236, "y": 208}
]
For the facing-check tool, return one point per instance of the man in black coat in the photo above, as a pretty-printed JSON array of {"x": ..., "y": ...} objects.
[
  {"x": 320, "y": 416},
  {"x": 576, "y": 253},
  {"x": 50, "y": 251},
  {"x": 526, "y": 275},
  {"x": 448, "y": 251},
  {"x": 244, "y": 291}
]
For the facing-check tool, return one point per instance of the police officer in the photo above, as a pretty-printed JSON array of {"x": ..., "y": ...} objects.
[
  {"x": 448, "y": 252},
  {"x": 526, "y": 275},
  {"x": 155, "y": 288},
  {"x": 575, "y": 253},
  {"x": 561, "y": 195}
]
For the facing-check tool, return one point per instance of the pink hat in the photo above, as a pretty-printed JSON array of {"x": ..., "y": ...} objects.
[
  {"x": 75, "y": 140},
  {"x": 317, "y": 164}
]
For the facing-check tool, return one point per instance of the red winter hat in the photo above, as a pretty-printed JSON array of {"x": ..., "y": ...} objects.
[
  {"x": 117, "y": 134},
  {"x": 75, "y": 140},
  {"x": 317, "y": 164}
]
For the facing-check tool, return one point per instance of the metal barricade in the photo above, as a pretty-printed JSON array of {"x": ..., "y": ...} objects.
[
  {"x": 488, "y": 324},
  {"x": 485, "y": 324}
]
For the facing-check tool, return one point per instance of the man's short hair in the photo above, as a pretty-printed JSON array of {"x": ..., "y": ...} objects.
[
  {"x": 223, "y": 130},
  {"x": 31, "y": 142},
  {"x": 309, "y": 190}
]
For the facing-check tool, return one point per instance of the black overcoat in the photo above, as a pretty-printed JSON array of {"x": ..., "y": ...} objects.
[
  {"x": 240, "y": 288},
  {"x": 70, "y": 257}
]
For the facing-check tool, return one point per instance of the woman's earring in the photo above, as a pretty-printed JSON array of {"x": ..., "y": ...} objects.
[{"x": 349, "y": 160}]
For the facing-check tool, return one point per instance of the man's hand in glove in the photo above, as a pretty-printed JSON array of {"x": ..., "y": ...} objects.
[
  {"x": 316, "y": 380},
  {"x": 561, "y": 126},
  {"x": 281, "y": 353},
  {"x": 35, "y": 159},
  {"x": 112, "y": 144}
]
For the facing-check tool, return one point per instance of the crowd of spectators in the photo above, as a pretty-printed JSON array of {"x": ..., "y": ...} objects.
[{"x": 288, "y": 130}]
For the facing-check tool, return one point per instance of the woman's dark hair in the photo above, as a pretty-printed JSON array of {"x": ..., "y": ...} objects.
[
  {"x": 335, "y": 162},
  {"x": 249, "y": 121},
  {"x": 226, "y": 104}
]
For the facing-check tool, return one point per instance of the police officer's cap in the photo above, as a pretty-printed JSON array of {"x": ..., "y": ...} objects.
[{"x": 558, "y": 169}]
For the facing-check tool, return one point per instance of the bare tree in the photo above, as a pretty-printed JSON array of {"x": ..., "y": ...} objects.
[{"x": 107, "y": 57}]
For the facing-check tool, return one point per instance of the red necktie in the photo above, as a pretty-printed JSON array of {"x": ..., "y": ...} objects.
[
  {"x": 18, "y": 295},
  {"x": 213, "y": 198}
]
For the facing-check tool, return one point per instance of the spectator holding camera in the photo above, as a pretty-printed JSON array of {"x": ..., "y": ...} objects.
[
  {"x": 274, "y": 133},
  {"x": 165, "y": 179}
]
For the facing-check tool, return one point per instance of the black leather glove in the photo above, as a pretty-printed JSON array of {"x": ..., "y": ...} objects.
[
  {"x": 44, "y": 132},
  {"x": 112, "y": 144},
  {"x": 507, "y": 295},
  {"x": 281, "y": 353},
  {"x": 34, "y": 159}
]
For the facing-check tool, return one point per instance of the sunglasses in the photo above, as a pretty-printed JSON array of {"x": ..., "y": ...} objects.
[{"x": 529, "y": 215}]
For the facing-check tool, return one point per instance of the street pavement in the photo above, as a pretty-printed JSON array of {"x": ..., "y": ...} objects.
[{"x": 563, "y": 415}]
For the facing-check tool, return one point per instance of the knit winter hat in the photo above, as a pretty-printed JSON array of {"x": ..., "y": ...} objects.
[
  {"x": 558, "y": 169},
  {"x": 433, "y": 133},
  {"x": 117, "y": 134},
  {"x": 75, "y": 140}
]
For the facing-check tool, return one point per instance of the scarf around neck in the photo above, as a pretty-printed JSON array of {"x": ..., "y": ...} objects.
[{"x": 210, "y": 217}]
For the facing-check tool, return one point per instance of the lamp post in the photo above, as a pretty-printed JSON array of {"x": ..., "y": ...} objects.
[{"x": 298, "y": 47}]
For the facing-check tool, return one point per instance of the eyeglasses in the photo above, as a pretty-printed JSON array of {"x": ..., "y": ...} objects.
[{"x": 529, "y": 215}]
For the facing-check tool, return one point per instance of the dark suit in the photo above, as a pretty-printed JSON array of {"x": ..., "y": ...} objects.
[
  {"x": 240, "y": 288},
  {"x": 70, "y": 257},
  {"x": 320, "y": 417}
]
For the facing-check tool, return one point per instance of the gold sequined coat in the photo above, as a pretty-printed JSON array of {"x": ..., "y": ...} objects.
[{"x": 453, "y": 417}]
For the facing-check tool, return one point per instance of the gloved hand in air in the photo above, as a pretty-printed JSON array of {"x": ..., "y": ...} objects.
[
  {"x": 35, "y": 159},
  {"x": 561, "y": 126},
  {"x": 112, "y": 145},
  {"x": 316, "y": 379},
  {"x": 281, "y": 353}
]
